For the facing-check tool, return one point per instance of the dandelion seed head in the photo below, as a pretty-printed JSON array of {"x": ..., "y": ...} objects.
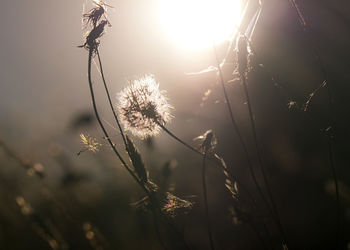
[{"x": 143, "y": 107}]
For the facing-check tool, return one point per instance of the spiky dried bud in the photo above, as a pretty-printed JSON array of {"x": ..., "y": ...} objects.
[
  {"x": 208, "y": 141},
  {"x": 91, "y": 41},
  {"x": 173, "y": 205},
  {"x": 94, "y": 15},
  {"x": 143, "y": 107},
  {"x": 89, "y": 144}
]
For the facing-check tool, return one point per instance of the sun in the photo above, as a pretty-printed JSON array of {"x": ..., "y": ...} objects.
[{"x": 196, "y": 24}]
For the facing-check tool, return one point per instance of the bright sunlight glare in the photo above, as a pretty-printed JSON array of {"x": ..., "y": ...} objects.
[{"x": 196, "y": 24}]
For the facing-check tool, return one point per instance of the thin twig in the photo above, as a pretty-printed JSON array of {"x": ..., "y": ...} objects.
[
  {"x": 252, "y": 122},
  {"x": 109, "y": 98},
  {"x": 206, "y": 206}
]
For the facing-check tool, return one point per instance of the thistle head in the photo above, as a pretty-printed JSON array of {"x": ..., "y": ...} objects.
[
  {"x": 95, "y": 14},
  {"x": 143, "y": 108}
]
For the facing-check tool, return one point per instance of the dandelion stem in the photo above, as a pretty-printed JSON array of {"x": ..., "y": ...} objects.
[
  {"x": 178, "y": 139},
  {"x": 102, "y": 126},
  {"x": 220, "y": 165},
  {"x": 109, "y": 99},
  {"x": 113, "y": 146},
  {"x": 202, "y": 154},
  {"x": 252, "y": 122},
  {"x": 206, "y": 206}
]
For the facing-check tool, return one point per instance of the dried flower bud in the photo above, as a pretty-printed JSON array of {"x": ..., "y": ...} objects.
[
  {"x": 208, "y": 141},
  {"x": 92, "y": 36}
]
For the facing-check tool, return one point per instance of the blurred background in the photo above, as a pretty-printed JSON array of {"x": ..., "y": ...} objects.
[{"x": 50, "y": 198}]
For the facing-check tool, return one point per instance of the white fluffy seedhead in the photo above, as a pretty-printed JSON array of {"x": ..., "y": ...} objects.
[{"x": 143, "y": 107}]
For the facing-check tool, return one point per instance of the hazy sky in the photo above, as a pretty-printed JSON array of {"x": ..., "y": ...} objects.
[{"x": 43, "y": 73}]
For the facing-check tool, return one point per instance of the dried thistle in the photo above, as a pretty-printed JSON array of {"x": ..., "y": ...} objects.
[
  {"x": 143, "y": 107},
  {"x": 89, "y": 144},
  {"x": 95, "y": 14},
  {"x": 92, "y": 36},
  {"x": 172, "y": 205}
]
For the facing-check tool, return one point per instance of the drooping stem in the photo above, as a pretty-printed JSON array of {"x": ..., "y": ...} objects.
[
  {"x": 91, "y": 50},
  {"x": 115, "y": 149},
  {"x": 222, "y": 167},
  {"x": 262, "y": 168},
  {"x": 213, "y": 159},
  {"x": 206, "y": 206},
  {"x": 178, "y": 139}
]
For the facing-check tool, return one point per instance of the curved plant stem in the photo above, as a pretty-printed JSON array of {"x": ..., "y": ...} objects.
[
  {"x": 206, "y": 206},
  {"x": 113, "y": 146},
  {"x": 109, "y": 99},
  {"x": 155, "y": 220},
  {"x": 178, "y": 139},
  {"x": 252, "y": 122},
  {"x": 306, "y": 28},
  {"x": 240, "y": 138},
  {"x": 103, "y": 128},
  {"x": 211, "y": 159},
  {"x": 223, "y": 168}
]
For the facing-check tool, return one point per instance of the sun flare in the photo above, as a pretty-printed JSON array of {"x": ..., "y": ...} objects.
[{"x": 196, "y": 24}]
